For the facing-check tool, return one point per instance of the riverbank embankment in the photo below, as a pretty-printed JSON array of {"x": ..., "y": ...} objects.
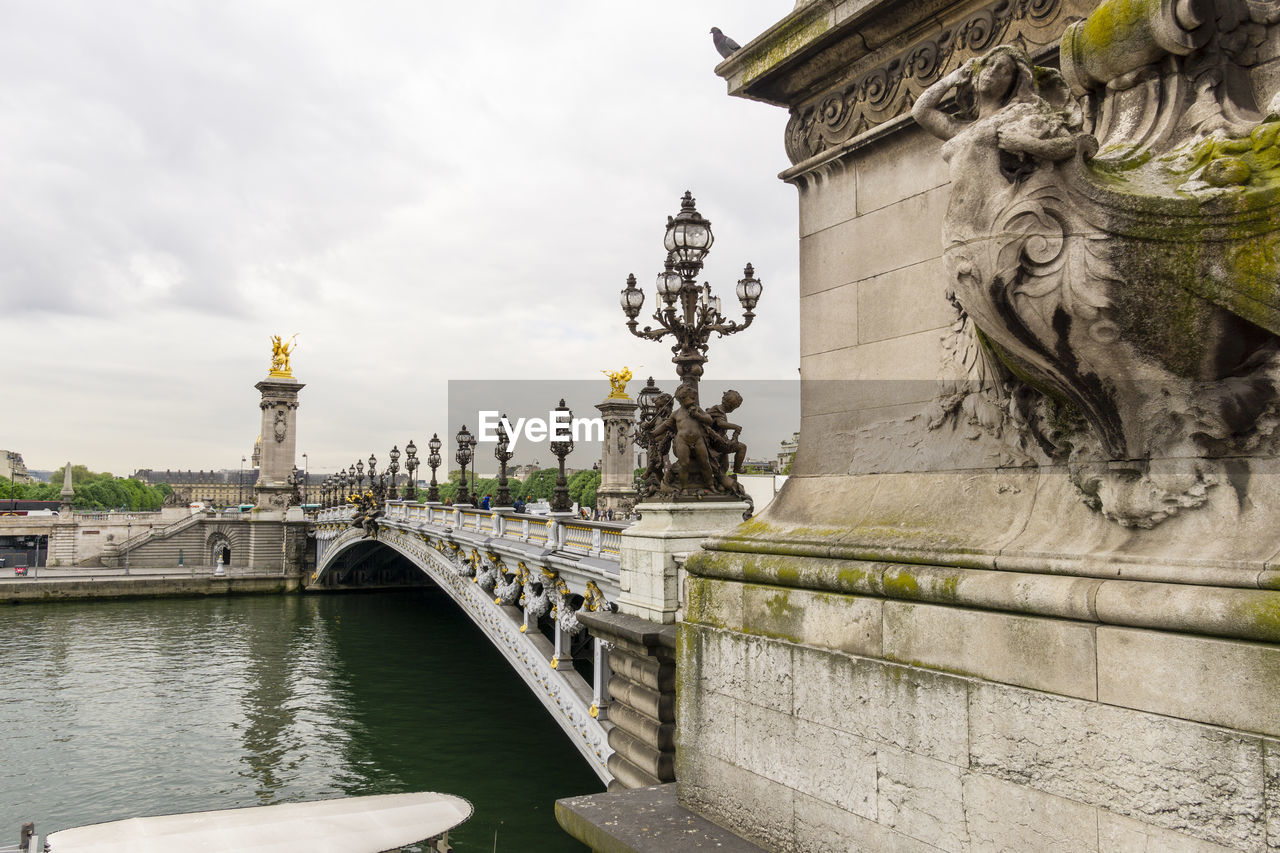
[{"x": 51, "y": 583}]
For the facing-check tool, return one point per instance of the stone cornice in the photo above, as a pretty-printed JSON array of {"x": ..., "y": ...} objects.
[{"x": 844, "y": 68}]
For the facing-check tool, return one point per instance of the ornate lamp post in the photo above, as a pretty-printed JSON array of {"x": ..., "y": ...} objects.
[
  {"x": 344, "y": 490},
  {"x": 393, "y": 469},
  {"x": 475, "y": 493},
  {"x": 433, "y": 461},
  {"x": 375, "y": 484},
  {"x": 647, "y": 401},
  {"x": 464, "y": 455},
  {"x": 411, "y": 465},
  {"x": 360, "y": 477},
  {"x": 504, "y": 456},
  {"x": 560, "y": 501},
  {"x": 689, "y": 313}
]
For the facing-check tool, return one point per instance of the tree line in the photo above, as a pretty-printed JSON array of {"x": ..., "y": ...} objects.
[
  {"x": 93, "y": 491},
  {"x": 538, "y": 487}
]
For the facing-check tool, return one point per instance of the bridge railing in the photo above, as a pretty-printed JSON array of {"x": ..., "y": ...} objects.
[{"x": 563, "y": 533}]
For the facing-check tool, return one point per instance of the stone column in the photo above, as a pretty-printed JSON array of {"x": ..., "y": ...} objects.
[
  {"x": 279, "y": 440},
  {"x": 618, "y": 460},
  {"x": 648, "y": 580}
]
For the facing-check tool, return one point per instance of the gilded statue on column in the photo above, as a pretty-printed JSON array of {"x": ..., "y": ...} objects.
[
  {"x": 280, "y": 352},
  {"x": 618, "y": 381}
]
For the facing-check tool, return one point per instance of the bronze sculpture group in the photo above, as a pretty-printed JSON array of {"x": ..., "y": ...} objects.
[{"x": 706, "y": 445}]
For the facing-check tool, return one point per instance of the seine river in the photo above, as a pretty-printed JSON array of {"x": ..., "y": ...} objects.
[{"x": 119, "y": 709}]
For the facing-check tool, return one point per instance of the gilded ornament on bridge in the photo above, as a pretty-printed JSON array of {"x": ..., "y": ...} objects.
[
  {"x": 618, "y": 380},
  {"x": 280, "y": 352},
  {"x": 1112, "y": 248}
]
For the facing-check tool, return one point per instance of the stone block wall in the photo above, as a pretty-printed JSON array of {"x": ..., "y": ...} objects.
[
  {"x": 817, "y": 721},
  {"x": 255, "y": 543},
  {"x": 872, "y": 302},
  {"x": 927, "y": 641}
]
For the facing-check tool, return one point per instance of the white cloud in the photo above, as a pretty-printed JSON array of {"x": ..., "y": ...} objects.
[{"x": 422, "y": 191}]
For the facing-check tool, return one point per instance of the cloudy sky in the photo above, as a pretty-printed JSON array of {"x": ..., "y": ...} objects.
[{"x": 423, "y": 191}]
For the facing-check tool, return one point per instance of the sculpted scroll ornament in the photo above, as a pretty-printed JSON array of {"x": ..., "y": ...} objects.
[
  {"x": 888, "y": 90},
  {"x": 1118, "y": 306}
]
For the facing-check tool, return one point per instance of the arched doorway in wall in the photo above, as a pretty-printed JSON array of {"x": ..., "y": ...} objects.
[{"x": 218, "y": 548}]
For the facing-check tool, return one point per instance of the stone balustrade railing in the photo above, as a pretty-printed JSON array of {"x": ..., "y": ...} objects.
[{"x": 602, "y": 539}]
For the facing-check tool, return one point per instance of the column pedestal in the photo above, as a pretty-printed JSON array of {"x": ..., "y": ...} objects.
[
  {"x": 648, "y": 579},
  {"x": 279, "y": 441}
]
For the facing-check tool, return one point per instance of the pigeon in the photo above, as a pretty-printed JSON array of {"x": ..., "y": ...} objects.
[{"x": 725, "y": 45}]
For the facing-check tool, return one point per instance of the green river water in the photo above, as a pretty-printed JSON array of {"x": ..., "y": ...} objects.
[{"x": 120, "y": 709}]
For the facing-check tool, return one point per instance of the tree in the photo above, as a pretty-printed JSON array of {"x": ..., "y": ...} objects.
[
  {"x": 583, "y": 486},
  {"x": 92, "y": 490},
  {"x": 539, "y": 485}
]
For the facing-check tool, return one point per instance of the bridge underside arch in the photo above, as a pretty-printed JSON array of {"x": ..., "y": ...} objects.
[
  {"x": 349, "y": 560},
  {"x": 369, "y": 564}
]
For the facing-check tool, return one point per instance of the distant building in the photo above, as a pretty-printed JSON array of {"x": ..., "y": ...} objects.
[
  {"x": 760, "y": 466},
  {"x": 14, "y": 467},
  {"x": 522, "y": 472},
  {"x": 787, "y": 454},
  {"x": 216, "y": 488}
]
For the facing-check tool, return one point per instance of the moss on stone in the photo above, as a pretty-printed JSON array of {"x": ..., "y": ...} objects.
[{"x": 783, "y": 43}]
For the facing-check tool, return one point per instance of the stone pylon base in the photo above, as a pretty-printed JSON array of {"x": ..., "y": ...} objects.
[{"x": 648, "y": 580}]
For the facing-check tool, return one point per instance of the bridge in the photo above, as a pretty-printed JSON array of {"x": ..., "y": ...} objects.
[{"x": 522, "y": 579}]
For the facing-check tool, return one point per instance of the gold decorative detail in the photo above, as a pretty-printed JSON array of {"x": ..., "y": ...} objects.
[
  {"x": 594, "y": 712},
  {"x": 524, "y": 627},
  {"x": 594, "y": 598},
  {"x": 280, "y": 351},
  {"x": 618, "y": 380},
  {"x": 555, "y": 663}
]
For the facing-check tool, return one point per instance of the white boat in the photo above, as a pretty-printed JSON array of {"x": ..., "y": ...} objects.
[{"x": 350, "y": 825}]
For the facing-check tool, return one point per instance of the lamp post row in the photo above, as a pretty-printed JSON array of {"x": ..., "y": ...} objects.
[
  {"x": 346, "y": 484},
  {"x": 689, "y": 314}
]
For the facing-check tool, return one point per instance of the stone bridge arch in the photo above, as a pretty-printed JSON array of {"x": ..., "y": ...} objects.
[{"x": 563, "y": 692}]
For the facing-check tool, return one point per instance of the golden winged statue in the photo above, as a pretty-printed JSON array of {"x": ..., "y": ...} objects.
[
  {"x": 280, "y": 351},
  {"x": 619, "y": 382}
]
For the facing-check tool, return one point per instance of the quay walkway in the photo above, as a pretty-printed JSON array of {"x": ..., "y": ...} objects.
[{"x": 58, "y": 583}]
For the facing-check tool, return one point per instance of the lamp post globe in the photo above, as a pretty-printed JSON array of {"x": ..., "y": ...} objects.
[
  {"x": 560, "y": 501},
  {"x": 464, "y": 455},
  {"x": 392, "y": 469},
  {"x": 503, "y": 454},
  {"x": 411, "y": 465},
  {"x": 433, "y": 461}
]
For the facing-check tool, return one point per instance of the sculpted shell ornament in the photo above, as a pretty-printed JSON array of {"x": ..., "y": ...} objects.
[{"x": 1117, "y": 292}]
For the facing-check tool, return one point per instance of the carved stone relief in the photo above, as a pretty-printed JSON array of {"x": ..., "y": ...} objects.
[
  {"x": 888, "y": 89},
  {"x": 1118, "y": 292}
]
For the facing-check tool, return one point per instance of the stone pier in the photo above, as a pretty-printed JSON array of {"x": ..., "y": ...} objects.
[{"x": 1019, "y": 592}]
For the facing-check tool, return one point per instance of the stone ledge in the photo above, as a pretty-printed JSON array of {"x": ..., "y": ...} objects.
[
  {"x": 1237, "y": 613},
  {"x": 633, "y": 629},
  {"x": 646, "y": 820}
]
